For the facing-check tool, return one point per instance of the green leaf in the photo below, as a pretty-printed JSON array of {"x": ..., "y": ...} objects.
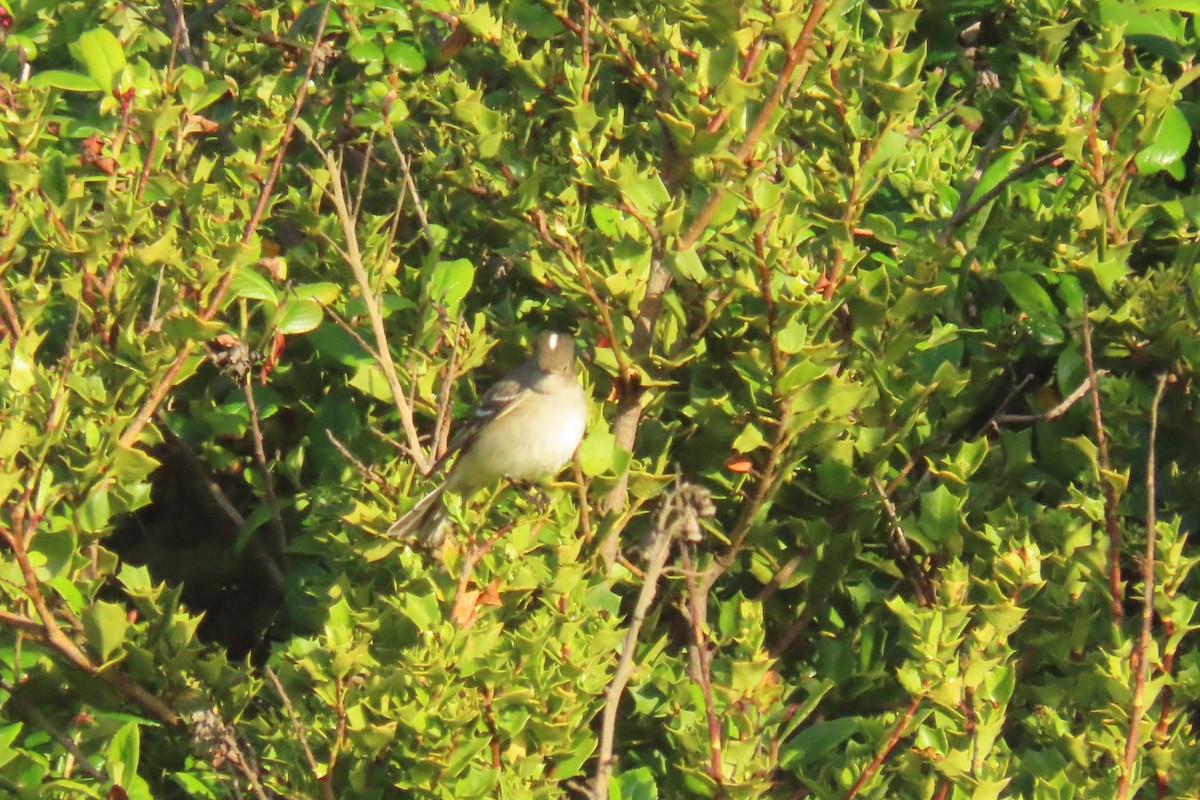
[
  {"x": 596, "y": 451},
  {"x": 1169, "y": 145},
  {"x": 939, "y": 514},
  {"x": 535, "y": 19},
  {"x": 815, "y": 741},
  {"x": 123, "y": 754},
  {"x": 94, "y": 511},
  {"x": 106, "y": 625},
  {"x": 634, "y": 784},
  {"x": 450, "y": 281},
  {"x": 132, "y": 465},
  {"x": 300, "y": 316},
  {"x": 405, "y": 57},
  {"x": 249, "y": 284},
  {"x": 324, "y": 292},
  {"x": 102, "y": 56},
  {"x": 67, "y": 81},
  {"x": 1029, "y": 295}
]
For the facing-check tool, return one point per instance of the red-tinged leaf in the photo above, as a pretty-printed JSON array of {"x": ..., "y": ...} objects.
[{"x": 739, "y": 463}]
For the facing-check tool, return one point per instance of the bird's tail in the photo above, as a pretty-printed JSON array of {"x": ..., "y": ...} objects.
[{"x": 425, "y": 522}]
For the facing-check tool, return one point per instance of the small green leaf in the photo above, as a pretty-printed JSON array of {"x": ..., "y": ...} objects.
[
  {"x": 67, "y": 81},
  {"x": 939, "y": 514},
  {"x": 815, "y": 741},
  {"x": 248, "y": 283},
  {"x": 101, "y": 54},
  {"x": 106, "y": 626},
  {"x": 451, "y": 280},
  {"x": 94, "y": 512},
  {"x": 535, "y": 19},
  {"x": 300, "y": 316},
  {"x": 596, "y": 451},
  {"x": 132, "y": 465},
  {"x": 1168, "y": 147},
  {"x": 123, "y": 754},
  {"x": 1028, "y": 294},
  {"x": 406, "y": 58},
  {"x": 323, "y": 292},
  {"x": 636, "y": 784}
]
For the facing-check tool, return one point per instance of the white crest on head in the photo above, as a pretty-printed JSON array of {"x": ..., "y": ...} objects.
[{"x": 553, "y": 340}]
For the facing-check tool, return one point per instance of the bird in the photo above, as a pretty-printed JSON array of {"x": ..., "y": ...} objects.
[{"x": 526, "y": 428}]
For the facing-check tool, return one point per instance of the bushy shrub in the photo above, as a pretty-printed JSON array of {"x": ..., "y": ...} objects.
[{"x": 890, "y": 327}]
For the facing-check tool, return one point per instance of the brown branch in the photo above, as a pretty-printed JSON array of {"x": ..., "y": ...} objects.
[
  {"x": 661, "y": 537},
  {"x": 959, "y": 215},
  {"x": 366, "y": 473},
  {"x": 797, "y": 54},
  {"x": 885, "y": 751},
  {"x": 43, "y": 722},
  {"x": 260, "y": 456},
  {"x": 1111, "y": 522},
  {"x": 697, "y": 600},
  {"x": 1141, "y": 652},
  {"x": 921, "y": 585},
  {"x": 371, "y": 301},
  {"x": 1056, "y": 412},
  {"x": 992, "y": 193},
  {"x": 159, "y": 393},
  {"x": 644, "y": 77},
  {"x": 201, "y": 473},
  {"x": 326, "y": 789},
  {"x": 9, "y": 317}
]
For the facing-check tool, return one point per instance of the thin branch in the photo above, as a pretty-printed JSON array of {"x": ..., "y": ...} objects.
[
  {"x": 886, "y": 750},
  {"x": 697, "y": 599},
  {"x": 1111, "y": 522},
  {"x": 796, "y": 55},
  {"x": 1141, "y": 652},
  {"x": 418, "y": 205},
  {"x": 644, "y": 77},
  {"x": 43, "y": 722},
  {"x": 921, "y": 585},
  {"x": 366, "y": 473},
  {"x": 371, "y": 301},
  {"x": 661, "y": 537},
  {"x": 1056, "y": 412},
  {"x": 326, "y": 789},
  {"x": 985, "y": 155},
  {"x": 260, "y": 456},
  {"x": 218, "y": 496},
  {"x": 991, "y": 194}
]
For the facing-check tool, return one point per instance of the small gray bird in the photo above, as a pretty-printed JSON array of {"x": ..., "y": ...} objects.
[{"x": 526, "y": 428}]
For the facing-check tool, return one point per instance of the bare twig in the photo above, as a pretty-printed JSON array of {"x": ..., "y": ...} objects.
[
  {"x": 371, "y": 301},
  {"x": 260, "y": 455},
  {"x": 703, "y": 673},
  {"x": 202, "y": 475},
  {"x": 43, "y": 722},
  {"x": 364, "y": 472},
  {"x": 797, "y": 55},
  {"x": 985, "y": 154},
  {"x": 993, "y": 192},
  {"x": 885, "y": 751},
  {"x": 679, "y": 517},
  {"x": 1111, "y": 523},
  {"x": 917, "y": 578},
  {"x": 640, "y": 72},
  {"x": 1140, "y": 656},
  {"x": 324, "y": 783},
  {"x": 418, "y": 205},
  {"x": 1056, "y": 412}
]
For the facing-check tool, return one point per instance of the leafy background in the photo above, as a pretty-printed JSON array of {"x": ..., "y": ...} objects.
[{"x": 890, "y": 325}]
